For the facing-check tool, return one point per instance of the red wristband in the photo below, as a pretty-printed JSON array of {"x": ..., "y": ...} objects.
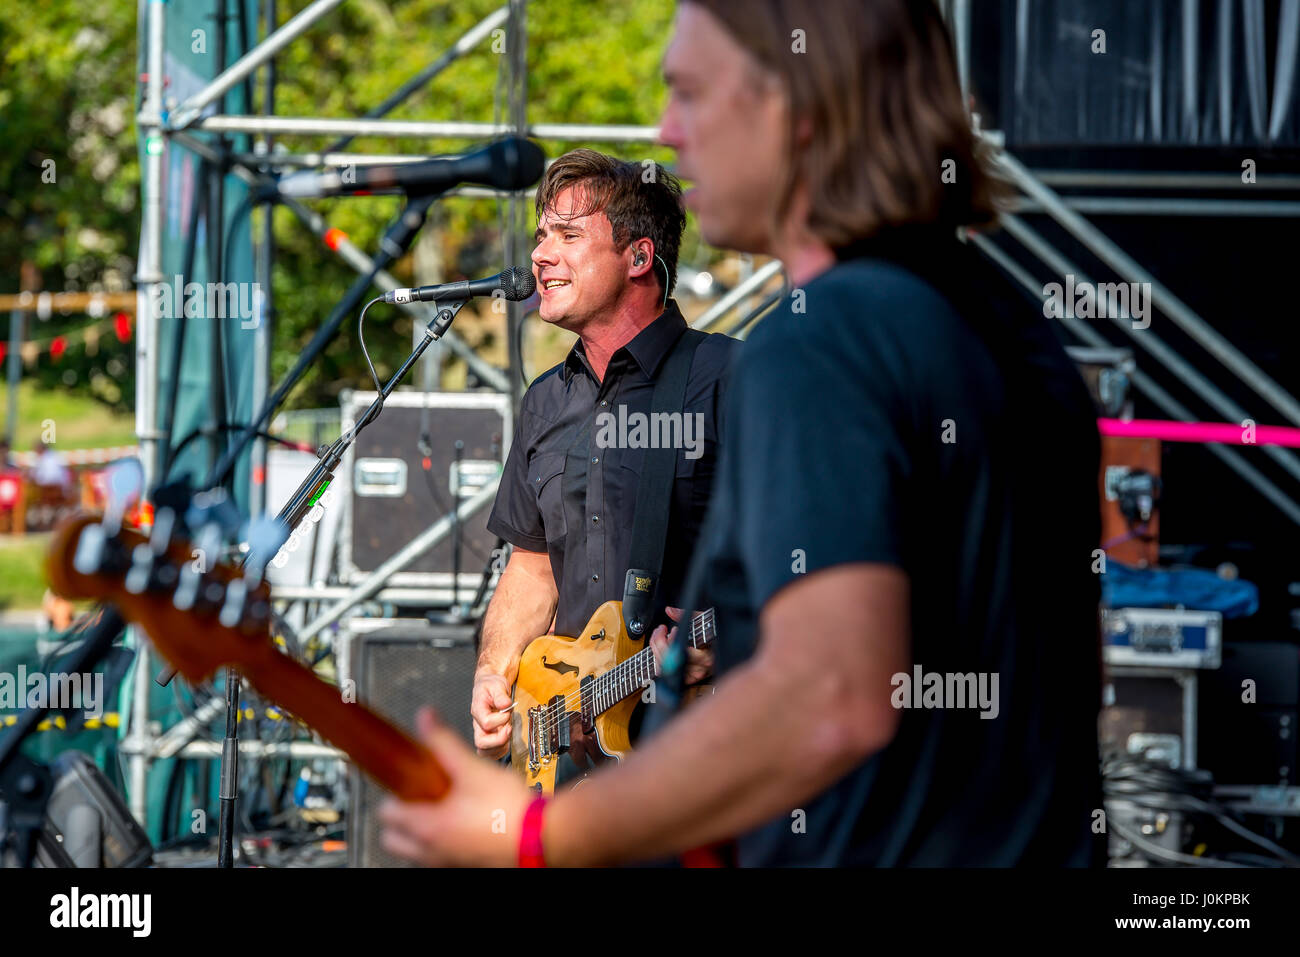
[{"x": 530, "y": 839}]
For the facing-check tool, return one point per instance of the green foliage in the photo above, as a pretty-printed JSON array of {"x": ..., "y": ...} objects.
[
  {"x": 69, "y": 180},
  {"x": 22, "y": 570},
  {"x": 591, "y": 61},
  {"x": 67, "y": 94}
]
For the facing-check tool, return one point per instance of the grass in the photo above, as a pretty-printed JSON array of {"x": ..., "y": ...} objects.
[
  {"x": 22, "y": 573},
  {"x": 79, "y": 421}
]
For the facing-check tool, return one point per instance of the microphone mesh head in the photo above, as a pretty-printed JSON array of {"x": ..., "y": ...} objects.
[{"x": 518, "y": 283}]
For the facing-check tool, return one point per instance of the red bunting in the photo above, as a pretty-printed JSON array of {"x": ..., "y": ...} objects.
[
  {"x": 58, "y": 346},
  {"x": 122, "y": 326}
]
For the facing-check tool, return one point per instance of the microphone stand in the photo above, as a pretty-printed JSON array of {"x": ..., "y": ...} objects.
[
  {"x": 395, "y": 242},
  {"x": 294, "y": 511},
  {"x": 397, "y": 239}
]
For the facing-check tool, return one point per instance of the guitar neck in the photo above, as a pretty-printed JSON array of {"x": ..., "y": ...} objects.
[
  {"x": 630, "y": 676},
  {"x": 384, "y": 752}
]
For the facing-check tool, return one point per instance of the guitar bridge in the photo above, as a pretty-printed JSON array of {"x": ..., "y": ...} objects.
[
  {"x": 535, "y": 738},
  {"x": 548, "y": 732}
]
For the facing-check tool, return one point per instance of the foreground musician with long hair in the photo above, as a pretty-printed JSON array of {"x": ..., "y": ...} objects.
[{"x": 906, "y": 644}]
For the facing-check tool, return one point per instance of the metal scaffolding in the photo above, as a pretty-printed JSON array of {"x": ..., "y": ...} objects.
[{"x": 159, "y": 125}]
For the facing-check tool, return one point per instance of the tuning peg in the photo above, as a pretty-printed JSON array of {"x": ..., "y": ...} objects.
[
  {"x": 124, "y": 482},
  {"x": 144, "y": 558},
  {"x": 91, "y": 545},
  {"x": 265, "y": 536},
  {"x": 232, "y": 610},
  {"x": 208, "y": 545}
]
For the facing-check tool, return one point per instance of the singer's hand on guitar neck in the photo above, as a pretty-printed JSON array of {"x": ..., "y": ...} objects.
[{"x": 699, "y": 661}]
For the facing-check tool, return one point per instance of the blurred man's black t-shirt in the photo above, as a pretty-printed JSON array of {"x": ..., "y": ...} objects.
[{"x": 910, "y": 407}]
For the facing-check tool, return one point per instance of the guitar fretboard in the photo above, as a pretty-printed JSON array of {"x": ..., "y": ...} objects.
[{"x": 630, "y": 676}]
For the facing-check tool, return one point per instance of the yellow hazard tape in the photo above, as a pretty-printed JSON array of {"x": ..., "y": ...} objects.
[{"x": 60, "y": 723}]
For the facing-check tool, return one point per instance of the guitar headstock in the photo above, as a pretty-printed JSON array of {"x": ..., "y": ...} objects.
[{"x": 201, "y": 613}]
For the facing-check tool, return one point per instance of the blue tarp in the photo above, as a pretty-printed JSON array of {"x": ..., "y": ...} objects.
[{"x": 1123, "y": 586}]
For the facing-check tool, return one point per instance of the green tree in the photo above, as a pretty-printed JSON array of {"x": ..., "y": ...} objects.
[
  {"x": 69, "y": 180},
  {"x": 67, "y": 94}
]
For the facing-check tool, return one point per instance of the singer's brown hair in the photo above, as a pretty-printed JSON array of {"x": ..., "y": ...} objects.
[
  {"x": 876, "y": 83},
  {"x": 639, "y": 200}
]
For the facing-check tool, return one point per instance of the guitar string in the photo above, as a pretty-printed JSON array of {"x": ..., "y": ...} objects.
[
  {"x": 553, "y": 713},
  {"x": 601, "y": 685},
  {"x": 699, "y": 625},
  {"x": 558, "y": 711},
  {"x": 604, "y": 691}
]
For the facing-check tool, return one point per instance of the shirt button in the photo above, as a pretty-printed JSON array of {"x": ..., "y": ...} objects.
[
  {"x": 595, "y": 519},
  {"x": 595, "y": 578},
  {"x": 595, "y": 459},
  {"x": 604, "y": 401}
]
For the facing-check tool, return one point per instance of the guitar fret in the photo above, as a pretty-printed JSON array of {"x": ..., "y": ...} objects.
[{"x": 631, "y": 676}]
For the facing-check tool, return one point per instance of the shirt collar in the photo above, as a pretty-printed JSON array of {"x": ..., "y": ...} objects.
[{"x": 648, "y": 348}]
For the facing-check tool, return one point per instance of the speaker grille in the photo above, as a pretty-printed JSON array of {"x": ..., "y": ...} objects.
[{"x": 399, "y": 670}]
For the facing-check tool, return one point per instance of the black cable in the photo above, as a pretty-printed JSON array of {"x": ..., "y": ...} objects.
[
  {"x": 202, "y": 431},
  {"x": 361, "y": 340},
  {"x": 439, "y": 504},
  {"x": 1154, "y": 787},
  {"x": 396, "y": 240},
  {"x": 241, "y": 211},
  {"x": 198, "y": 202}
]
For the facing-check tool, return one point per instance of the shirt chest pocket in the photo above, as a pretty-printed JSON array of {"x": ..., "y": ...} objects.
[
  {"x": 546, "y": 477},
  {"x": 692, "y": 478}
]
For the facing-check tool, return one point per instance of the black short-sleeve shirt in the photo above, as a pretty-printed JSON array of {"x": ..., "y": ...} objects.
[
  {"x": 569, "y": 489},
  {"x": 908, "y": 407}
]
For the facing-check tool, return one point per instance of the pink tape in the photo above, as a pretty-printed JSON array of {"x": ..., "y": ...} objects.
[{"x": 1225, "y": 432}]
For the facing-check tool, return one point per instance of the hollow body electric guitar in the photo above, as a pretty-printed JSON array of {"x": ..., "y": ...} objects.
[{"x": 574, "y": 697}]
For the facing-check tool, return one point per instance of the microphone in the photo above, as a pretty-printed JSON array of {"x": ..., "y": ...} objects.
[
  {"x": 515, "y": 284},
  {"x": 510, "y": 163}
]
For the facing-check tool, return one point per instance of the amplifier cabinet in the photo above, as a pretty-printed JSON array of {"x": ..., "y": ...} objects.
[
  {"x": 400, "y": 666},
  {"x": 1251, "y": 714},
  {"x": 423, "y": 452}
]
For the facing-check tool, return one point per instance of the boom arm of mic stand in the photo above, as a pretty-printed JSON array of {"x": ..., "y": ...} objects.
[
  {"x": 395, "y": 242},
  {"x": 322, "y": 474},
  {"x": 318, "y": 480}
]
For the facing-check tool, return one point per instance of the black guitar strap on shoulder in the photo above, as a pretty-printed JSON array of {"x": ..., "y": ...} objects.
[{"x": 654, "y": 490}]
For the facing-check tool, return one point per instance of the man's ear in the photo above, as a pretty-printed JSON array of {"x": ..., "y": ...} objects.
[{"x": 643, "y": 252}]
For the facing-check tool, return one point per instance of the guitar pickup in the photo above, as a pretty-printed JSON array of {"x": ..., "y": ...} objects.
[
  {"x": 557, "y": 726},
  {"x": 562, "y": 733}
]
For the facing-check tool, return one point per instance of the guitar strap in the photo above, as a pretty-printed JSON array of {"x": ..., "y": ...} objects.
[{"x": 654, "y": 490}]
